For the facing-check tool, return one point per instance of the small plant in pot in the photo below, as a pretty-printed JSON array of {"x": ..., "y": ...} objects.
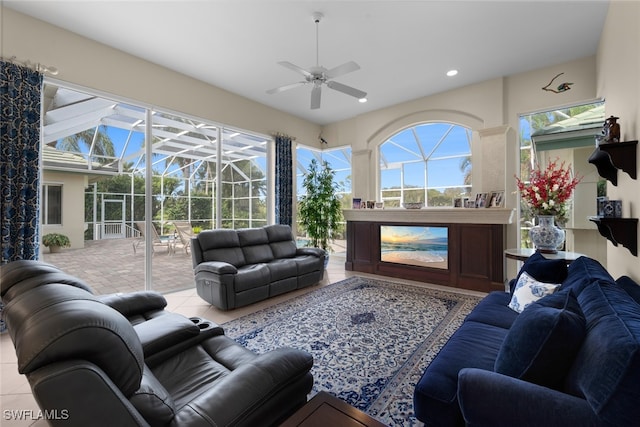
[
  {"x": 320, "y": 210},
  {"x": 55, "y": 241}
]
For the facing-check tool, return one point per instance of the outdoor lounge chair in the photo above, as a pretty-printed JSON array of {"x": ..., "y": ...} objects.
[
  {"x": 156, "y": 240},
  {"x": 185, "y": 233}
]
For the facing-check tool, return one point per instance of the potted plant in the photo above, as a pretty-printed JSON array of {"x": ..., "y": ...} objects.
[
  {"x": 320, "y": 210},
  {"x": 55, "y": 241}
]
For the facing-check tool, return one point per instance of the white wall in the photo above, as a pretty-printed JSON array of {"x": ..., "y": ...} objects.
[
  {"x": 73, "y": 185},
  {"x": 618, "y": 64},
  {"x": 96, "y": 66}
]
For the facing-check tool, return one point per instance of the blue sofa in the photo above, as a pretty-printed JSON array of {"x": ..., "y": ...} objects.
[{"x": 571, "y": 358}]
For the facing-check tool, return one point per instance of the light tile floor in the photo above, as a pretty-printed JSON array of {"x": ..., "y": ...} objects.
[{"x": 17, "y": 404}]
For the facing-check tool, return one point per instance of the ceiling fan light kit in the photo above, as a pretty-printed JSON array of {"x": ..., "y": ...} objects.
[{"x": 319, "y": 75}]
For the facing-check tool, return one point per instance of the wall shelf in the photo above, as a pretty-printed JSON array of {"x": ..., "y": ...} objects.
[
  {"x": 619, "y": 230},
  {"x": 611, "y": 156}
]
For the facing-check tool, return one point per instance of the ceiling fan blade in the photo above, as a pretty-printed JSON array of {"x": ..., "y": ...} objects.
[
  {"x": 295, "y": 68},
  {"x": 347, "y": 89},
  {"x": 316, "y": 93},
  {"x": 285, "y": 87},
  {"x": 341, "y": 70}
]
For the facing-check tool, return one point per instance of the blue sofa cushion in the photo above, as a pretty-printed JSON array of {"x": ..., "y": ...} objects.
[
  {"x": 583, "y": 272},
  {"x": 473, "y": 345},
  {"x": 493, "y": 310},
  {"x": 543, "y": 341},
  {"x": 607, "y": 368},
  {"x": 543, "y": 270}
]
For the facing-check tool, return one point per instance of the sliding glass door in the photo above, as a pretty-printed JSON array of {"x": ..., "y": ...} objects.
[{"x": 150, "y": 180}]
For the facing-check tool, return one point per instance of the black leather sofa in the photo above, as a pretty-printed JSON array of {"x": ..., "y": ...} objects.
[
  {"x": 234, "y": 268},
  {"x": 122, "y": 360}
]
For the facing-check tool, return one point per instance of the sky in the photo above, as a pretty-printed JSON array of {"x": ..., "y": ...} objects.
[{"x": 408, "y": 234}]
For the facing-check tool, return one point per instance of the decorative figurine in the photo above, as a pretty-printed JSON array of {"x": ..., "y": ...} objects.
[
  {"x": 562, "y": 87},
  {"x": 611, "y": 130}
]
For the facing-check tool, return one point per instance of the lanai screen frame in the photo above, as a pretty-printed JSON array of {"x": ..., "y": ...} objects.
[{"x": 180, "y": 143}]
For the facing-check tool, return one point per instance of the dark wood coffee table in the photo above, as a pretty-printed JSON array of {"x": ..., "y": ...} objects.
[{"x": 326, "y": 410}]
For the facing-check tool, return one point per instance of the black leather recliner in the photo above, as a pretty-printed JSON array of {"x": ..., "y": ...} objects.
[{"x": 122, "y": 360}]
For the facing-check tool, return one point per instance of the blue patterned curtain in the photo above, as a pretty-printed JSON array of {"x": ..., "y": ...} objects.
[
  {"x": 19, "y": 161},
  {"x": 284, "y": 180}
]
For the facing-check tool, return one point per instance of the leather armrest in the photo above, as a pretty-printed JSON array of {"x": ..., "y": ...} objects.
[
  {"x": 310, "y": 251},
  {"x": 165, "y": 331},
  {"x": 248, "y": 389},
  {"x": 80, "y": 408},
  {"x": 132, "y": 303},
  {"x": 217, "y": 267},
  {"x": 165, "y": 336}
]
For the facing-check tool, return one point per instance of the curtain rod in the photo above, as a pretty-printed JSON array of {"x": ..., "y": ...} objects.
[
  {"x": 277, "y": 134},
  {"x": 33, "y": 65}
]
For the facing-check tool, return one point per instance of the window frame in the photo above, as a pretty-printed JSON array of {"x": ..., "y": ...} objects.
[
  {"x": 45, "y": 217},
  {"x": 394, "y": 196}
]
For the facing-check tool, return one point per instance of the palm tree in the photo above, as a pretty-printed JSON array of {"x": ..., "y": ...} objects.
[
  {"x": 96, "y": 140},
  {"x": 465, "y": 167}
]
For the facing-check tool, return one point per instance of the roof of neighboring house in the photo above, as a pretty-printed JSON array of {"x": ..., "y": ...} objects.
[
  {"x": 575, "y": 131},
  {"x": 64, "y": 161},
  {"x": 589, "y": 119}
]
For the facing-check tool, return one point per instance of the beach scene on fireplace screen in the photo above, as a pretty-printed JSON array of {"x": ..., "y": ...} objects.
[{"x": 415, "y": 245}]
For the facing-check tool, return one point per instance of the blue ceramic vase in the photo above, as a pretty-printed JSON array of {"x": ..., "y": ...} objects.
[{"x": 546, "y": 235}]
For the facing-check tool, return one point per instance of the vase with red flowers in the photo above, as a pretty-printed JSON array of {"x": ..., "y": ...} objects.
[{"x": 547, "y": 195}]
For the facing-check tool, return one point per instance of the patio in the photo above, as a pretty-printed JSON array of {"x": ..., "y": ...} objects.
[{"x": 111, "y": 265}]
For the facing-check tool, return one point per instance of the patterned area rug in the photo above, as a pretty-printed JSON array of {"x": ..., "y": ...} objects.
[{"x": 371, "y": 340}]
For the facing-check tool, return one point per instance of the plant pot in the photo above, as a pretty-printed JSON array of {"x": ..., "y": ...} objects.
[
  {"x": 546, "y": 236},
  {"x": 54, "y": 249}
]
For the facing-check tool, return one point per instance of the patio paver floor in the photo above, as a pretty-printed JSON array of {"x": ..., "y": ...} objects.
[{"x": 110, "y": 266}]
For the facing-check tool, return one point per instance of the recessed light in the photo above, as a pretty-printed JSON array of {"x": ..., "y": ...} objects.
[
  {"x": 362, "y": 100},
  {"x": 452, "y": 73}
]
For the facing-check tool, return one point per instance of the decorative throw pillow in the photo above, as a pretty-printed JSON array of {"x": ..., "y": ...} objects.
[
  {"x": 543, "y": 341},
  {"x": 528, "y": 290},
  {"x": 543, "y": 270}
]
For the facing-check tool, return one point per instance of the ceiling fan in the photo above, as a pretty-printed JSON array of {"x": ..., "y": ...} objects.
[{"x": 319, "y": 75}]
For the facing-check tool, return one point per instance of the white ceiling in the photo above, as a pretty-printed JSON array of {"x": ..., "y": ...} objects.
[{"x": 404, "y": 48}]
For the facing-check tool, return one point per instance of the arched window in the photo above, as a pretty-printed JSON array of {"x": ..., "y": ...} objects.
[{"x": 428, "y": 163}]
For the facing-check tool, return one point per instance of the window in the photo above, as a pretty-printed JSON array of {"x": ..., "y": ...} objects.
[
  {"x": 545, "y": 135},
  {"x": 52, "y": 204},
  {"x": 203, "y": 172},
  {"x": 339, "y": 159},
  {"x": 428, "y": 163}
]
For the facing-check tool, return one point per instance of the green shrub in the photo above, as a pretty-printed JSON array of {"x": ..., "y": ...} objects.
[{"x": 56, "y": 239}]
